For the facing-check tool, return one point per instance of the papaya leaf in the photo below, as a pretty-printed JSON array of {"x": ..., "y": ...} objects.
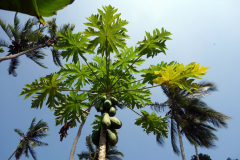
[
  {"x": 148, "y": 73},
  {"x": 46, "y": 88},
  {"x": 134, "y": 95},
  {"x": 109, "y": 31},
  {"x": 175, "y": 75},
  {"x": 1, "y": 50},
  {"x": 75, "y": 45},
  {"x": 154, "y": 44},
  {"x": 99, "y": 65},
  {"x": 153, "y": 123},
  {"x": 126, "y": 58},
  {"x": 71, "y": 108},
  {"x": 97, "y": 122},
  {"x": 37, "y": 8},
  {"x": 76, "y": 73}
]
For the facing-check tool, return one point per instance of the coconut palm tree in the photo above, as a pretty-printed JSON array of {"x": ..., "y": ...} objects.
[
  {"x": 190, "y": 116},
  {"x": 31, "y": 41},
  {"x": 92, "y": 153},
  {"x": 31, "y": 140},
  {"x": 22, "y": 39}
]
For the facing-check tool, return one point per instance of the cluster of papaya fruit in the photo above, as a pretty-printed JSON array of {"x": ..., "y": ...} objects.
[{"x": 108, "y": 121}]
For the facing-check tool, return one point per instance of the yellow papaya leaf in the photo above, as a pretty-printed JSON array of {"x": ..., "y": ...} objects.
[{"x": 176, "y": 75}]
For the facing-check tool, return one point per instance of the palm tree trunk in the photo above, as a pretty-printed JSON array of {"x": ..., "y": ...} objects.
[
  {"x": 102, "y": 144},
  {"x": 76, "y": 138},
  {"x": 21, "y": 53},
  {"x": 196, "y": 152},
  {"x": 181, "y": 143},
  {"x": 12, "y": 154}
]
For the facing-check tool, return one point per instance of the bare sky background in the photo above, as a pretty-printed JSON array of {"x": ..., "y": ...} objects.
[{"x": 206, "y": 32}]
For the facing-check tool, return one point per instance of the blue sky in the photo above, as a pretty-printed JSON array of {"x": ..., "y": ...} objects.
[{"x": 206, "y": 32}]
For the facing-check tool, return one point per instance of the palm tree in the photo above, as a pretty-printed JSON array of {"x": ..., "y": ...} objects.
[
  {"x": 92, "y": 153},
  {"x": 29, "y": 42},
  {"x": 31, "y": 140},
  {"x": 190, "y": 116},
  {"x": 201, "y": 157},
  {"x": 23, "y": 39}
]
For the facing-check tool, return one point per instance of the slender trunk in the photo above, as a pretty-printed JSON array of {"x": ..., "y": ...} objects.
[
  {"x": 12, "y": 154},
  {"x": 181, "y": 143},
  {"x": 102, "y": 144},
  {"x": 196, "y": 152},
  {"x": 76, "y": 138},
  {"x": 21, "y": 53}
]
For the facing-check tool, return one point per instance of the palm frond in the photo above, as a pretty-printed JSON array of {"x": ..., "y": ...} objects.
[
  {"x": 14, "y": 32},
  {"x": 18, "y": 153},
  {"x": 205, "y": 89},
  {"x": 56, "y": 57},
  {"x": 200, "y": 110},
  {"x": 12, "y": 66},
  {"x": 114, "y": 151},
  {"x": 3, "y": 43},
  {"x": 83, "y": 155},
  {"x": 16, "y": 23},
  {"x": 52, "y": 27},
  {"x": 199, "y": 133},
  {"x": 174, "y": 137},
  {"x": 33, "y": 122},
  {"x": 33, "y": 153},
  {"x": 36, "y": 56},
  {"x": 18, "y": 131},
  {"x": 158, "y": 107},
  {"x": 89, "y": 144},
  {"x": 66, "y": 27},
  {"x": 25, "y": 151},
  {"x": 159, "y": 139},
  {"x": 34, "y": 143},
  {"x": 6, "y": 29},
  {"x": 38, "y": 130}
]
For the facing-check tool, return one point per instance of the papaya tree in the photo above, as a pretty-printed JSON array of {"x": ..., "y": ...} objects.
[{"x": 110, "y": 75}]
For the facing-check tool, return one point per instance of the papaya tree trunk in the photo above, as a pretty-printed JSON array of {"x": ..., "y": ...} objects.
[
  {"x": 181, "y": 143},
  {"x": 102, "y": 144},
  {"x": 12, "y": 154},
  {"x": 196, "y": 153},
  {"x": 76, "y": 138}
]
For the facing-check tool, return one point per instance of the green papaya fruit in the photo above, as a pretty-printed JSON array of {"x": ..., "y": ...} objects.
[
  {"x": 114, "y": 101},
  {"x": 107, "y": 104},
  {"x": 96, "y": 136},
  {"x": 106, "y": 123},
  {"x": 103, "y": 98},
  {"x": 112, "y": 111},
  {"x": 115, "y": 123},
  {"x": 101, "y": 107},
  {"x": 112, "y": 137}
]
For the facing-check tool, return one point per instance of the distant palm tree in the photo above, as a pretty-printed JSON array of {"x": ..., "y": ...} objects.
[
  {"x": 201, "y": 157},
  {"x": 92, "y": 153},
  {"x": 23, "y": 39},
  {"x": 190, "y": 116},
  {"x": 31, "y": 139}
]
